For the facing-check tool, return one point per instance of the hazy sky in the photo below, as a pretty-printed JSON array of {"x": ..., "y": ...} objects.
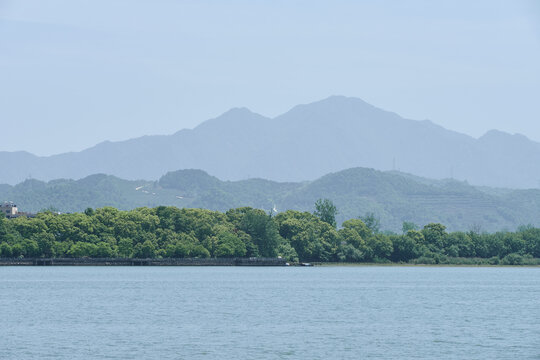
[{"x": 74, "y": 73}]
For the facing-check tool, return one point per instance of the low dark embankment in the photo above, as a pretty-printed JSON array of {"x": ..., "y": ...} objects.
[{"x": 142, "y": 262}]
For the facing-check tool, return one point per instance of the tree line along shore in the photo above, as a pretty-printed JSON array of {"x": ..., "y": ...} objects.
[{"x": 169, "y": 232}]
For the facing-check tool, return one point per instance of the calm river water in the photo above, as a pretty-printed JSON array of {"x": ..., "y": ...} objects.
[{"x": 269, "y": 313}]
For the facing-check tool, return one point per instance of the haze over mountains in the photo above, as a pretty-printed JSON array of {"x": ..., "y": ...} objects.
[
  {"x": 394, "y": 197},
  {"x": 303, "y": 144}
]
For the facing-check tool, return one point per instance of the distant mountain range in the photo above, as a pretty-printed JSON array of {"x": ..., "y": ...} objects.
[
  {"x": 303, "y": 144},
  {"x": 393, "y": 196}
]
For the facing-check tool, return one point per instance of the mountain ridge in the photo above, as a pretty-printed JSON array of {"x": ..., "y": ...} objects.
[
  {"x": 394, "y": 197},
  {"x": 304, "y": 143}
]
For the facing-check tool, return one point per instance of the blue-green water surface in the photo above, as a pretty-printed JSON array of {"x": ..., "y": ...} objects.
[{"x": 269, "y": 313}]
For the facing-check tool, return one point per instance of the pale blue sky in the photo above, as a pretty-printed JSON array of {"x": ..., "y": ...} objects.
[{"x": 74, "y": 73}]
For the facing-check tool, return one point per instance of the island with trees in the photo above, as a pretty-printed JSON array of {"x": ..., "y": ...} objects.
[{"x": 166, "y": 232}]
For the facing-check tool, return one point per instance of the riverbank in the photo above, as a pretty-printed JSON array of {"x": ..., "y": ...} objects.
[
  {"x": 142, "y": 262},
  {"x": 369, "y": 264},
  {"x": 226, "y": 262}
]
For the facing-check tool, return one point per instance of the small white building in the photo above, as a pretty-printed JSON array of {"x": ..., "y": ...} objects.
[{"x": 9, "y": 209}]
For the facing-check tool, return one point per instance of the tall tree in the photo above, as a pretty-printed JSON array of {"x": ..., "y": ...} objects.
[
  {"x": 326, "y": 211},
  {"x": 263, "y": 231},
  {"x": 372, "y": 222},
  {"x": 408, "y": 225}
]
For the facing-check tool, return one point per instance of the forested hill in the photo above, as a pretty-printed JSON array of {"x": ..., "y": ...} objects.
[
  {"x": 392, "y": 196},
  {"x": 305, "y": 143}
]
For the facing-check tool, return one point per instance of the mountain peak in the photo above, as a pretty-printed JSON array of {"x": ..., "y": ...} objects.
[
  {"x": 238, "y": 111},
  {"x": 493, "y": 133},
  {"x": 336, "y": 106},
  {"x": 496, "y": 135},
  {"x": 342, "y": 99},
  {"x": 189, "y": 180},
  {"x": 338, "y": 101},
  {"x": 238, "y": 116}
]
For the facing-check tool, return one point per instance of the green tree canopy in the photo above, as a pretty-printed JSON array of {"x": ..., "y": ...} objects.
[{"x": 326, "y": 211}]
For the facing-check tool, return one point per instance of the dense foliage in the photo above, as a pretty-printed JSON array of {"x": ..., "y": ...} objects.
[{"x": 247, "y": 232}]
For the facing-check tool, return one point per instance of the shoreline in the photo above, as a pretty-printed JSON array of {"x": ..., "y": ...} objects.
[
  {"x": 219, "y": 262},
  {"x": 420, "y": 265},
  {"x": 142, "y": 262}
]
